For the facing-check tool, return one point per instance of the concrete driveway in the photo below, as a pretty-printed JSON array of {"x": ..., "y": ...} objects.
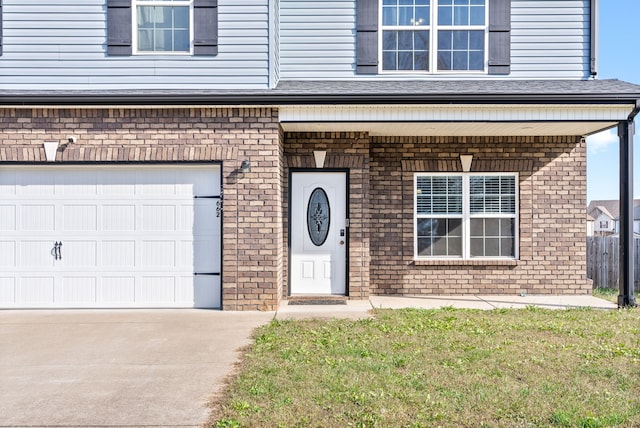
[{"x": 116, "y": 367}]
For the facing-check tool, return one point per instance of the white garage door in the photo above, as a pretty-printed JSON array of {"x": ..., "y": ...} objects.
[{"x": 110, "y": 236}]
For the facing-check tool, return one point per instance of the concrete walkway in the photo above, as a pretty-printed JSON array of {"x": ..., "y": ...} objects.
[{"x": 355, "y": 309}]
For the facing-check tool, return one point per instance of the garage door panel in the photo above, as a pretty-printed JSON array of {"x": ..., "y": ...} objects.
[
  {"x": 119, "y": 182},
  {"x": 157, "y": 289},
  {"x": 158, "y": 253},
  {"x": 79, "y": 290},
  {"x": 7, "y": 218},
  {"x": 80, "y": 218},
  {"x": 8, "y": 254},
  {"x": 77, "y": 184},
  {"x": 191, "y": 182},
  {"x": 158, "y": 217},
  {"x": 36, "y": 183},
  {"x": 156, "y": 183},
  {"x": 38, "y": 218},
  {"x": 36, "y": 254},
  {"x": 37, "y": 291},
  {"x": 118, "y": 218},
  {"x": 118, "y": 290},
  {"x": 206, "y": 289},
  {"x": 7, "y": 182},
  {"x": 8, "y": 290},
  {"x": 204, "y": 218},
  {"x": 204, "y": 259},
  {"x": 80, "y": 253},
  {"x": 131, "y": 236},
  {"x": 120, "y": 254}
]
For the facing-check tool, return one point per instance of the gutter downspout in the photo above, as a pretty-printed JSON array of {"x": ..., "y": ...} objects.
[
  {"x": 626, "y": 279},
  {"x": 593, "y": 38}
]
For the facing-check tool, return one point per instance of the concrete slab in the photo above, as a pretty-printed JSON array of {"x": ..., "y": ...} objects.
[
  {"x": 357, "y": 309},
  {"x": 430, "y": 302},
  {"x": 492, "y": 302},
  {"x": 548, "y": 302},
  {"x": 118, "y": 367},
  {"x": 353, "y": 309}
]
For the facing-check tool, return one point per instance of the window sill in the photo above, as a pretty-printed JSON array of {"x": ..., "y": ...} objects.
[{"x": 460, "y": 262}]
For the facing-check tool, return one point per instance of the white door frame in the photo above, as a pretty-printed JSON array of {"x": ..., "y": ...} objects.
[{"x": 345, "y": 227}]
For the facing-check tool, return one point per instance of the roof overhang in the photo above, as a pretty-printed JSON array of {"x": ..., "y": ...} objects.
[
  {"x": 458, "y": 119},
  {"x": 392, "y": 107}
]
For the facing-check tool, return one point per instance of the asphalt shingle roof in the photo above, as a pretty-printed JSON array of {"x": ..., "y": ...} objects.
[
  {"x": 353, "y": 91},
  {"x": 461, "y": 87}
]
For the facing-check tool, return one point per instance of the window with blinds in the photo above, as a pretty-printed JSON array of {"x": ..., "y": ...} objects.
[{"x": 466, "y": 215}]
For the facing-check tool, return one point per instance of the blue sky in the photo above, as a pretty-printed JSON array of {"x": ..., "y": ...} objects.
[{"x": 619, "y": 58}]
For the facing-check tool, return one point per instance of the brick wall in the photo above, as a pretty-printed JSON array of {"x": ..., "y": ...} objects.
[
  {"x": 252, "y": 219},
  {"x": 552, "y": 192}
]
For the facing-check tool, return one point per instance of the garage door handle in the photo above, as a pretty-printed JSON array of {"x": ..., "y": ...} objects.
[{"x": 57, "y": 251}]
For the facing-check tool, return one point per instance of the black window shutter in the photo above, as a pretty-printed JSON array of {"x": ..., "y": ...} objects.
[
  {"x": 205, "y": 27},
  {"x": 119, "y": 27},
  {"x": 499, "y": 36},
  {"x": 367, "y": 37}
]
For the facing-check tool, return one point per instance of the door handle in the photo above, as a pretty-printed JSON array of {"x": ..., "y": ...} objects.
[{"x": 56, "y": 251}]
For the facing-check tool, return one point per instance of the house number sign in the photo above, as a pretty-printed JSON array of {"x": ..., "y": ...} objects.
[{"x": 318, "y": 216}]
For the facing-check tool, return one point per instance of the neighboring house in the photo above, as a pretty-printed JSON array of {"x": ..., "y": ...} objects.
[
  {"x": 234, "y": 153},
  {"x": 590, "y": 225},
  {"x": 606, "y": 215}
]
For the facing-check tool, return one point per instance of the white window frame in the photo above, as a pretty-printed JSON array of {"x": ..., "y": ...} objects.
[
  {"x": 167, "y": 3},
  {"x": 434, "y": 28},
  {"x": 466, "y": 214}
]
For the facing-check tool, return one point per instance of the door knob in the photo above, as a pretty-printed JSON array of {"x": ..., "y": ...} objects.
[{"x": 341, "y": 242}]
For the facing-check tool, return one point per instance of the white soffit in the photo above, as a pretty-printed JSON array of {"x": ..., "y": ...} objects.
[{"x": 462, "y": 120}]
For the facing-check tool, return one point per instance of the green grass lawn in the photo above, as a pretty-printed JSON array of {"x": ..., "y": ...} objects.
[{"x": 449, "y": 368}]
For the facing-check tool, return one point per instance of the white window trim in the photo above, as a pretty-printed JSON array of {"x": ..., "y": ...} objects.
[
  {"x": 433, "y": 42},
  {"x": 466, "y": 215},
  {"x": 134, "y": 25}
]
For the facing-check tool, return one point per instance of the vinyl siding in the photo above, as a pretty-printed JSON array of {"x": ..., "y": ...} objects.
[
  {"x": 549, "y": 40},
  {"x": 61, "y": 44}
]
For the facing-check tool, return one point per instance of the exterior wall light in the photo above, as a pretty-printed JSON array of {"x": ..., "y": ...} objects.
[{"x": 245, "y": 166}]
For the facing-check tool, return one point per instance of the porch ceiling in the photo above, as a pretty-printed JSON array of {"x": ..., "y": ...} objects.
[
  {"x": 465, "y": 129},
  {"x": 455, "y": 119}
]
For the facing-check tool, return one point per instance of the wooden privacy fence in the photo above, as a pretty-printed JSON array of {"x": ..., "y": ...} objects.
[{"x": 603, "y": 261}]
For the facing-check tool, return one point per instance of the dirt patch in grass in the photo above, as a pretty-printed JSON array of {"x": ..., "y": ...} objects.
[{"x": 450, "y": 368}]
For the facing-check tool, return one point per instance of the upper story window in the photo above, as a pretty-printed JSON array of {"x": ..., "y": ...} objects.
[
  {"x": 163, "y": 26},
  {"x": 434, "y": 35}
]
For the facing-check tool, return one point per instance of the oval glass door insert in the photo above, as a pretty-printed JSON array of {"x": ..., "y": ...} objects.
[{"x": 318, "y": 216}]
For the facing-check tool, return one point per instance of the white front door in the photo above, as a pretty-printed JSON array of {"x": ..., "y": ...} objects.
[{"x": 318, "y": 232}]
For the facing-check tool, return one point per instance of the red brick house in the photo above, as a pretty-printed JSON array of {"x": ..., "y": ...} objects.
[{"x": 297, "y": 151}]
